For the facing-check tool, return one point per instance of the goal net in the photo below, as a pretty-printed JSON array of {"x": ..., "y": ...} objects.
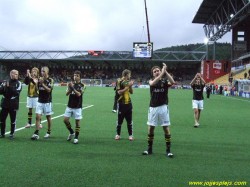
[{"x": 92, "y": 82}]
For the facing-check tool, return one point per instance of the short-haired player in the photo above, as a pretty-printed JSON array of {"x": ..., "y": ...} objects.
[
  {"x": 44, "y": 106},
  {"x": 198, "y": 84},
  {"x": 75, "y": 91}
]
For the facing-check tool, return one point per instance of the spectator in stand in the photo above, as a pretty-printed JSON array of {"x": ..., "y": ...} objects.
[
  {"x": 216, "y": 88},
  {"x": 221, "y": 88},
  {"x": 230, "y": 77},
  {"x": 233, "y": 90},
  {"x": 245, "y": 75}
]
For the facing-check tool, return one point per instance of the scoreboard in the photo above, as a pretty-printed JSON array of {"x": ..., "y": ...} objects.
[
  {"x": 95, "y": 53},
  {"x": 142, "y": 50}
]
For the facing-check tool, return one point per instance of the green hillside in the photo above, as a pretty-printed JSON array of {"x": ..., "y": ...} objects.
[{"x": 223, "y": 50}]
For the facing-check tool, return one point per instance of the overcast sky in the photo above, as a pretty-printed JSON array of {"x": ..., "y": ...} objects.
[{"x": 110, "y": 25}]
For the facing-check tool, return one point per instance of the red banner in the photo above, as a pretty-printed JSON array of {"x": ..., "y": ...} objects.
[
  {"x": 207, "y": 72},
  {"x": 217, "y": 66},
  {"x": 217, "y": 71}
]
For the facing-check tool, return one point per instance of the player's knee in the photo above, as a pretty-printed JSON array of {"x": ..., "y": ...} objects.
[
  {"x": 130, "y": 123},
  {"x": 65, "y": 121},
  {"x": 48, "y": 116},
  {"x": 166, "y": 130}
]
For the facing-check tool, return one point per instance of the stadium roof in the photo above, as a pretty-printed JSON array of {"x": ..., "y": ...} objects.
[
  {"x": 205, "y": 11},
  {"x": 209, "y": 7},
  {"x": 220, "y": 16}
]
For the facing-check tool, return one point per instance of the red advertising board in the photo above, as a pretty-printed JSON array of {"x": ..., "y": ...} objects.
[
  {"x": 213, "y": 69},
  {"x": 217, "y": 66}
]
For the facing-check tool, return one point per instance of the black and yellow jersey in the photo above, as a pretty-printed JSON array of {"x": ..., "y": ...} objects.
[
  {"x": 32, "y": 91},
  {"x": 159, "y": 93},
  {"x": 44, "y": 96},
  {"x": 74, "y": 101},
  {"x": 124, "y": 98}
]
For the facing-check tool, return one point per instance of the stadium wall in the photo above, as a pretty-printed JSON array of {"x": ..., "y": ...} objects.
[{"x": 213, "y": 69}]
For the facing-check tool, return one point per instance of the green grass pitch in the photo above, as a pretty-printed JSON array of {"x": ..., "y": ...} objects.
[{"x": 216, "y": 151}]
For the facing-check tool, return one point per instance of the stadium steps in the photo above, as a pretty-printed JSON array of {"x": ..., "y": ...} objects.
[
  {"x": 223, "y": 80},
  {"x": 241, "y": 75}
]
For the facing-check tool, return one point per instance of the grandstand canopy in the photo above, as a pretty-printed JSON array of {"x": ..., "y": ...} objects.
[
  {"x": 220, "y": 16},
  {"x": 210, "y": 7},
  {"x": 205, "y": 11}
]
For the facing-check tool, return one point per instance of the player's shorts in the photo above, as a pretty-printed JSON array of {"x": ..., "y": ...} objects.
[
  {"x": 44, "y": 108},
  {"x": 198, "y": 104},
  {"x": 158, "y": 114},
  {"x": 74, "y": 113},
  {"x": 31, "y": 102}
]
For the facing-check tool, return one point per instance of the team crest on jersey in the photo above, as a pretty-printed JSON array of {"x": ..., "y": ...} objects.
[{"x": 162, "y": 85}]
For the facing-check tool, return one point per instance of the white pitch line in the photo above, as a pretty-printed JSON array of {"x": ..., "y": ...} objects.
[
  {"x": 46, "y": 120},
  {"x": 233, "y": 97}
]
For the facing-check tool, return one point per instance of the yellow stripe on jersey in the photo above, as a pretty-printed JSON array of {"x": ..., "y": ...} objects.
[
  {"x": 32, "y": 92},
  {"x": 124, "y": 98}
]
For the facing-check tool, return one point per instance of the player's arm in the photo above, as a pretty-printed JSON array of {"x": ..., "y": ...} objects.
[
  {"x": 156, "y": 80},
  {"x": 120, "y": 92},
  {"x": 202, "y": 80},
  {"x": 170, "y": 78},
  {"x": 130, "y": 84},
  {"x": 36, "y": 84},
  {"x": 69, "y": 89},
  {"x": 2, "y": 88},
  {"x": 27, "y": 77},
  {"x": 13, "y": 91},
  {"x": 196, "y": 76},
  {"x": 47, "y": 89},
  {"x": 34, "y": 80},
  {"x": 77, "y": 93},
  {"x": 131, "y": 90},
  {"x": 28, "y": 74}
]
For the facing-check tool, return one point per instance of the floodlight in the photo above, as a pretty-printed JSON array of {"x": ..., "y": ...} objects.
[{"x": 206, "y": 40}]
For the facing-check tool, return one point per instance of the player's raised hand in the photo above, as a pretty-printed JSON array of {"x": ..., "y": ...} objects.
[
  {"x": 28, "y": 72},
  {"x": 164, "y": 68},
  {"x": 41, "y": 80},
  {"x": 35, "y": 80},
  {"x": 131, "y": 83},
  {"x": 198, "y": 75},
  {"x": 70, "y": 84}
]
